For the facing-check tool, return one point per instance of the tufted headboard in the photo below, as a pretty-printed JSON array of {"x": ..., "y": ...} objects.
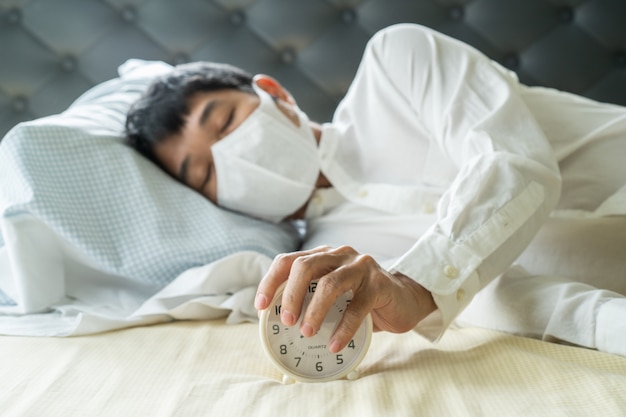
[{"x": 51, "y": 51}]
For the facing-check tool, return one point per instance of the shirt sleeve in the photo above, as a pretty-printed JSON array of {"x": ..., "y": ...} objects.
[{"x": 508, "y": 179}]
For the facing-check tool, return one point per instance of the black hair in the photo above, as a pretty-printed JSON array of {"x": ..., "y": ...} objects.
[{"x": 161, "y": 110}]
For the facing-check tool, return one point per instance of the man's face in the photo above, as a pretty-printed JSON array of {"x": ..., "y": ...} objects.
[{"x": 212, "y": 116}]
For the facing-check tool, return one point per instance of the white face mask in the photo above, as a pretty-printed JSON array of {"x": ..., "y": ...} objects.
[{"x": 267, "y": 167}]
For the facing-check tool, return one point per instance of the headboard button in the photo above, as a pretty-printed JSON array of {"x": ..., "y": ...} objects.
[
  {"x": 566, "y": 14},
  {"x": 19, "y": 104},
  {"x": 348, "y": 15},
  {"x": 68, "y": 63},
  {"x": 456, "y": 12},
  {"x": 237, "y": 18},
  {"x": 129, "y": 14},
  {"x": 511, "y": 61},
  {"x": 288, "y": 56},
  {"x": 181, "y": 58},
  {"x": 13, "y": 16}
]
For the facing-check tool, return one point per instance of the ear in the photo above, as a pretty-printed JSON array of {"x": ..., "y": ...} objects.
[{"x": 273, "y": 87}]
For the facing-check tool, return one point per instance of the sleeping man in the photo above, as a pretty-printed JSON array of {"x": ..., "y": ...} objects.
[{"x": 442, "y": 191}]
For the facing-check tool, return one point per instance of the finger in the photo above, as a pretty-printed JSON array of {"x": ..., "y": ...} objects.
[
  {"x": 275, "y": 276},
  {"x": 278, "y": 273},
  {"x": 304, "y": 270},
  {"x": 329, "y": 287},
  {"x": 366, "y": 295},
  {"x": 352, "y": 318}
]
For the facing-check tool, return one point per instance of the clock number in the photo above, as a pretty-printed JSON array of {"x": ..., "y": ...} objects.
[
  {"x": 319, "y": 367},
  {"x": 351, "y": 344},
  {"x": 276, "y": 328},
  {"x": 283, "y": 349},
  {"x": 277, "y": 309},
  {"x": 339, "y": 359},
  {"x": 298, "y": 358},
  {"x": 313, "y": 286}
]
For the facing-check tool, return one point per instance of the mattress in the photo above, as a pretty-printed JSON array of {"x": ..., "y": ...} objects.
[{"x": 209, "y": 368}]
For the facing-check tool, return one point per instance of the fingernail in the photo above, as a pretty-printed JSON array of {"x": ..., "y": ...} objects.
[
  {"x": 288, "y": 318},
  {"x": 260, "y": 302},
  {"x": 334, "y": 346},
  {"x": 307, "y": 330}
]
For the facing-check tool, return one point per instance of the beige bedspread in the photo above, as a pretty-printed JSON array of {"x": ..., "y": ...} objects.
[{"x": 213, "y": 369}]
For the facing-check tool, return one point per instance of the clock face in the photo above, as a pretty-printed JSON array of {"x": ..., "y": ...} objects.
[{"x": 308, "y": 359}]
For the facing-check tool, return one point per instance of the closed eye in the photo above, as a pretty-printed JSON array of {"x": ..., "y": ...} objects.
[
  {"x": 207, "y": 177},
  {"x": 228, "y": 122}
]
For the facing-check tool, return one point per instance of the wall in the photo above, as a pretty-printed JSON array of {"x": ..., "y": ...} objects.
[{"x": 53, "y": 50}]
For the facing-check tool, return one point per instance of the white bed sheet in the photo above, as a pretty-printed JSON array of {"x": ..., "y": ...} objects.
[{"x": 212, "y": 369}]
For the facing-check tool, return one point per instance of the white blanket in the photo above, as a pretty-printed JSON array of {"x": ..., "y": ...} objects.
[{"x": 224, "y": 288}]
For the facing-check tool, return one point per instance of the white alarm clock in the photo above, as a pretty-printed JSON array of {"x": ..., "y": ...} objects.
[{"x": 307, "y": 359}]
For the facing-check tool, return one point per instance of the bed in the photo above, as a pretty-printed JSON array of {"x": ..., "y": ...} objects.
[
  {"x": 209, "y": 368},
  {"x": 113, "y": 304}
]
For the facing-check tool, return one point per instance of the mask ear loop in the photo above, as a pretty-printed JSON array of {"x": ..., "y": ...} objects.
[
  {"x": 271, "y": 103},
  {"x": 273, "y": 88},
  {"x": 267, "y": 100}
]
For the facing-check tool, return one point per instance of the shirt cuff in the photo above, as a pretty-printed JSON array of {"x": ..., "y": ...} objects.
[
  {"x": 448, "y": 308},
  {"x": 448, "y": 271}
]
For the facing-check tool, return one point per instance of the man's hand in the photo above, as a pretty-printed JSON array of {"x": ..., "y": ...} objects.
[{"x": 396, "y": 302}]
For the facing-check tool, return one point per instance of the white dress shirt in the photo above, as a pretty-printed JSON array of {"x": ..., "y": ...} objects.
[{"x": 446, "y": 167}]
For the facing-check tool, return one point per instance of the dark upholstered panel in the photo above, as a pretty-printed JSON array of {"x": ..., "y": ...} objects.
[{"x": 53, "y": 50}]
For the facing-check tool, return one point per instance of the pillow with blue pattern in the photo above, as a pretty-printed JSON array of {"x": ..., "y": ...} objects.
[{"x": 121, "y": 214}]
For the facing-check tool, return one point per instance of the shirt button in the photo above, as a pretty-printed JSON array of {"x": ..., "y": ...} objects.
[
  {"x": 428, "y": 208},
  {"x": 317, "y": 200},
  {"x": 450, "y": 271},
  {"x": 460, "y": 295},
  {"x": 363, "y": 193}
]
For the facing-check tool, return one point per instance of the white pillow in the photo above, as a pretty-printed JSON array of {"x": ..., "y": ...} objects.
[{"x": 106, "y": 204}]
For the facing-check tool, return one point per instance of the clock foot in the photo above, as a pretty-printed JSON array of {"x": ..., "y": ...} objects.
[
  {"x": 287, "y": 380},
  {"x": 353, "y": 375}
]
